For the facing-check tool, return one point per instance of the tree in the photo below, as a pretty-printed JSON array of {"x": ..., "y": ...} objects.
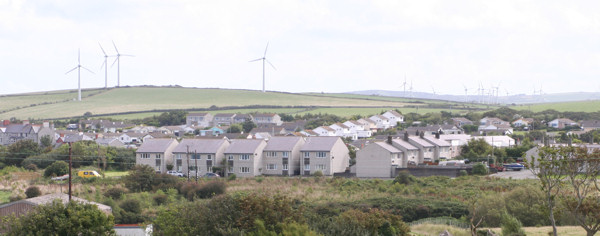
[
  {"x": 140, "y": 178},
  {"x": 57, "y": 218},
  {"x": 235, "y": 128},
  {"x": 20, "y": 150},
  {"x": 549, "y": 167},
  {"x": 46, "y": 141},
  {"x": 511, "y": 226},
  {"x": 33, "y": 191},
  {"x": 248, "y": 125},
  {"x": 57, "y": 168},
  {"x": 479, "y": 169}
]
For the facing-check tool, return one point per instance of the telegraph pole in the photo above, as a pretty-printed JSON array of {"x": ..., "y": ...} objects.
[
  {"x": 188, "y": 162},
  {"x": 196, "y": 164},
  {"x": 70, "y": 175}
]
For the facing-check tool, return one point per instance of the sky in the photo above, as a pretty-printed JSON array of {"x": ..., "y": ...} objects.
[{"x": 315, "y": 46}]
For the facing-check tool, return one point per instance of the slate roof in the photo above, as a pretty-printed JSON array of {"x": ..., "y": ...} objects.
[
  {"x": 64, "y": 198},
  {"x": 199, "y": 145},
  {"x": 420, "y": 141},
  {"x": 265, "y": 115},
  {"x": 404, "y": 144},
  {"x": 228, "y": 115},
  {"x": 319, "y": 143},
  {"x": 244, "y": 145},
  {"x": 388, "y": 147},
  {"x": 280, "y": 143},
  {"x": 18, "y": 128},
  {"x": 395, "y": 113},
  {"x": 198, "y": 114},
  {"x": 155, "y": 145},
  {"x": 437, "y": 142}
]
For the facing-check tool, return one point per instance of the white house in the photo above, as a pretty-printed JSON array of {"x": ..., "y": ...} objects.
[
  {"x": 381, "y": 122},
  {"x": 324, "y": 131},
  {"x": 156, "y": 153},
  {"x": 394, "y": 117}
]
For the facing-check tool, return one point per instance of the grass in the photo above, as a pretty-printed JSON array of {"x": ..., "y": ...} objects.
[
  {"x": 112, "y": 174},
  {"x": 579, "y": 106},
  {"x": 4, "y": 195},
  {"x": 543, "y": 230},
  {"x": 431, "y": 229}
]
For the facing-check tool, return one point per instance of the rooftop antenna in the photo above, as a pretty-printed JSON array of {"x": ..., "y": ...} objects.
[
  {"x": 105, "y": 65},
  {"x": 264, "y": 59},
  {"x": 118, "y": 61},
  {"x": 78, "y": 68}
]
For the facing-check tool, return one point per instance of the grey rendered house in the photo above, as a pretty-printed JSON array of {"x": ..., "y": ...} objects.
[
  {"x": 198, "y": 119},
  {"x": 326, "y": 154},
  {"x": 281, "y": 156},
  {"x": 267, "y": 119},
  {"x": 11, "y": 133},
  {"x": 156, "y": 153},
  {"x": 426, "y": 149},
  {"x": 199, "y": 155},
  {"x": 245, "y": 157},
  {"x": 378, "y": 160},
  {"x": 410, "y": 153},
  {"x": 442, "y": 148},
  {"x": 223, "y": 119}
]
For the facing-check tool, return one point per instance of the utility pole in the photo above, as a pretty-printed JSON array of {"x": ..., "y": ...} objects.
[
  {"x": 188, "y": 162},
  {"x": 70, "y": 175},
  {"x": 196, "y": 164}
]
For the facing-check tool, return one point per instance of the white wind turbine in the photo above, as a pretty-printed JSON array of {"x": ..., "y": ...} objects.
[
  {"x": 404, "y": 86},
  {"x": 264, "y": 59},
  {"x": 118, "y": 61},
  {"x": 466, "y": 93},
  {"x": 78, "y": 68},
  {"x": 105, "y": 65}
]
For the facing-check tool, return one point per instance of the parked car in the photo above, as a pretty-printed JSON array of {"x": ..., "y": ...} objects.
[
  {"x": 514, "y": 166},
  {"x": 211, "y": 175},
  {"x": 62, "y": 177},
  {"x": 175, "y": 173}
]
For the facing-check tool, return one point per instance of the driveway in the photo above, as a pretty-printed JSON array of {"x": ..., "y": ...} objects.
[{"x": 523, "y": 174}]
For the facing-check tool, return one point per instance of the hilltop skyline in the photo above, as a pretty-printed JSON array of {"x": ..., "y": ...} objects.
[{"x": 329, "y": 46}]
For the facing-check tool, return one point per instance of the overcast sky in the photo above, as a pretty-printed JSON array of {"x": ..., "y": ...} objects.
[{"x": 329, "y": 46}]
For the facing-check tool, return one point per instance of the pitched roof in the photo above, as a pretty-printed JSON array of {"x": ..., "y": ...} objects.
[
  {"x": 265, "y": 115},
  {"x": 326, "y": 128},
  {"x": 197, "y": 114},
  {"x": 404, "y": 144},
  {"x": 420, "y": 141},
  {"x": 319, "y": 143},
  {"x": 280, "y": 143},
  {"x": 395, "y": 113},
  {"x": 18, "y": 128},
  {"x": 343, "y": 126},
  {"x": 388, "y": 147},
  {"x": 155, "y": 145},
  {"x": 64, "y": 198},
  {"x": 244, "y": 145},
  {"x": 199, "y": 145},
  {"x": 437, "y": 142},
  {"x": 224, "y": 115},
  {"x": 590, "y": 123},
  {"x": 354, "y": 122}
]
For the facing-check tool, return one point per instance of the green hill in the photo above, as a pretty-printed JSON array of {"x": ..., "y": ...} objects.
[{"x": 147, "y": 101}]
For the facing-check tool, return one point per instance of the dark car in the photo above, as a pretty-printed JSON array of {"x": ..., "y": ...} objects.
[
  {"x": 211, "y": 175},
  {"x": 514, "y": 166}
]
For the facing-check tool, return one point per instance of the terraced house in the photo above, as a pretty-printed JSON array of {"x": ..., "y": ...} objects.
[
  {"x": 326, "y": 154},
  {"x": 156, "y": 153},
  {"x": 196, "y": 157},
  {"x": 11, "y": 133},
  {"x": 281, "y": 156},
  {"x": 245, "y": 157}
]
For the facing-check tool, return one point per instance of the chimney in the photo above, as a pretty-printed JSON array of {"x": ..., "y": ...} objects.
[
  {"x": 6, "y": 122},
  {"x": 389, "y": 139},
  {"x": 406, "y": 136},
  {"x": 417, "y": 133},
  {"x": 46, "y": 124},
  {"x": 437, "y": 135},
  {"x": 25, "y": 122},
  {"x": 421, "y": 134}
]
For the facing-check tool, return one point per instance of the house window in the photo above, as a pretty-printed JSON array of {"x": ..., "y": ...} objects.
[
  {"x": 244, "y": 169},
  {"x": 209, "y": 169},
  {"x": 285, "y": 154},
  {"x": 306, "y": 154},
  {"x": 230, "y": 157},
  {"x": 321, "y": 167},
  {"x": 285, "y": 166},
  {"x": 271, "y": 154},
  {"x": 145, "y": 155},
  {"x": 271, "y": 166},
  {"x": 230, "y": 169},
  {"x": 321, "y": 154},
  {"x": 193, "y": 168},
  {"x": 306, "y": 166},
  {"x": 209, "y": 157},
  {"x": 244, "y": 157},
  {"x": 196, "y": 156},
  {"x": 158, "y": 156},
  {"x": 179, "y": 156}
]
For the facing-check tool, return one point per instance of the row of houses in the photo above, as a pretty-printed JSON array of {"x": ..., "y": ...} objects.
[
  {"x": 279, "y": 155},
  {"x": 226, "y": 119},
  {"x": 11, "y": 133}
]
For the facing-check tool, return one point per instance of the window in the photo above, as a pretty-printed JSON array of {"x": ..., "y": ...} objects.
[
  {"x": 196, "y": 156},
  {"x": 244, "y": 157},
  {"x": 193, "y": 168},
  {"x": 157, "y": 156},
  {"x": 306, "y": 166},
  {"x": 209, "y": 157},
  {"x": 230, "y": 157},
  {"x": 306, "y": 154},
  {"x": 230, "y": 170},
  {"x": 179, "y": 156},
  {"x": 145, "y": 155},
  {"x": 285, "y": 166},
  {"x": 285, "y": 154},
  {"x": 244, "y": 169},
  {"x": 321, "y": 167},
  {"x": 321, "y": 154},
  {"x": 271, "y": 154},
  {"x": 271, "y": 166},
  {"x": 209, "y": 169}
]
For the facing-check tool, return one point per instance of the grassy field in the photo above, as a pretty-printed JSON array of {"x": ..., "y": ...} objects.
[
  {"x": 4, "y": 195},
  {"x": 580, "y": 106},
  {"x": 112, "y": 174},
  {"x": 430, "y": 229},
  {"x": 150, "y": 99}
]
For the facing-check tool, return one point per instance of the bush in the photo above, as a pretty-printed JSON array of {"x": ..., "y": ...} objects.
[
  {"x": 31, "y": 167},
  {"x": 462, "y": 173},
  {"x": 211, "y": 189},
  {"x": 114, "y": 193},
  {"x": 57, "y": 168},
  {"x": 14, "y": 198},
  {"x": 479, "y": 169},
  {"x": 404, "y": 177},
  {"x": 231, "y": 177},
  {"x": 33, "y": 191},
  {"x": 511, "y": 226},
  {"x": 318, "y": 173},
  {"x": 131, "y": 205},
  {"x": 160, "y": 199}
]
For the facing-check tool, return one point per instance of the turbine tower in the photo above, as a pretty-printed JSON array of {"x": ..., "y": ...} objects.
[
  {"x": 264, "y": 59},
  {"x": 404, "y": 86},
  {"x": 78, "y": 68},
  {"x": 118, "y": 61},
  {"x": 105, "y": 65}
]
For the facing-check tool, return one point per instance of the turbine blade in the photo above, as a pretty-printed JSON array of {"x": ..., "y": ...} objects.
[
  {"x": 114, "y": 62},
  {"x": 255, "y": 60},
  {"x": 270, "y": 64},
  {"x": 88, "y": 70},
  {"x": 127, "y": 55},
  {"x": 79, "y": 56},
  {"x": 267, "y": 47},
  {"x": 102, "y": 49},
  {"x": 103, "y": 63},
  {"x": 115, "y": 47},
  {"x": 72, "y": 70}
]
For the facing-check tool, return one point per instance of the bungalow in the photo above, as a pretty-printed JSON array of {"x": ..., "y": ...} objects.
[
  {"x": 110, "y": 142},
  {"x": 324, "y": 131},
  {"x": 492, "y": 121},
  {"x": 245, "y": 157},
  {"x": 199, "y": 156},
  {"x": 378, "y": 160},
  {"x": 561, "y": 123},
  {"x": 394, "y": 117},
  {"x": 198, "y": 119},
  {"x": 522, "y": 122},
  {"x": 281, "y": 156},
  {"x": 223, "y": 119},
  {"x": 326, "y": 154},
  {"x": 267, "y": 119},
  {"x": 588, "y": 125},
  {"x": 504, "y": 129},
  {"x": 156, "y": 153}
]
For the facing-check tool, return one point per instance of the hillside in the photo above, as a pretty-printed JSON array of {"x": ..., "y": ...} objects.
[{"x": 149, "y": 100}]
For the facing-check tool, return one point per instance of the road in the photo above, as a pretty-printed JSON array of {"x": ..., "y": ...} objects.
[{"x": 523, "y": 174}]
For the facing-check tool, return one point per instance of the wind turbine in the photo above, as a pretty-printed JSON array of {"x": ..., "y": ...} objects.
[
  {"x": 411, "y": 89},
  {"x": 404, "y": 86},
  {"x": 466, "y": 93},
  {"x": 105, "y": 65},
  {"x": 78, "y": 68},
  {"x": 118, "y": 61},
  {"x": 264, "y": 59}
]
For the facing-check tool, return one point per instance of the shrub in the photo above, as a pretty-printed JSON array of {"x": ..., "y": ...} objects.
[
  {"x": 160, "y": 199},
  {"x": 318, "y": 173},
  {"x": 479, "y": 169},
  {"x": 114, "y": 193},
  {"x": 31, "y": 167},
  {"x": 404, "y": 177},
  {"x": 14, "y": 198},
  {"x": 57, "y": 168},
  {"x": 33, "y": 191},
  {"x": 231, "y": 177},
  {"x": 131, "y": 205},
  {"x": 211, "y": 189},
  {"x": 511, "y": 226},
  {"x": 462, "y": 173}
]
